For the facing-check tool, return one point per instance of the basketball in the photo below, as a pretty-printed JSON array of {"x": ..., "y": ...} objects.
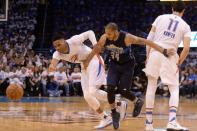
[{"x": 14, "y": 92}]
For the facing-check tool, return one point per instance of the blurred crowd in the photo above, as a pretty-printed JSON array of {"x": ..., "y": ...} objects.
[
  {"x": 19, "y": 62},
  {"x": 75, "y": 16}
]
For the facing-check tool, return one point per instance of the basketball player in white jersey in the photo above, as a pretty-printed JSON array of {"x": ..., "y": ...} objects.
[
  {"x": 167, "y": 31},
  {"x": 74, "y": 51}
]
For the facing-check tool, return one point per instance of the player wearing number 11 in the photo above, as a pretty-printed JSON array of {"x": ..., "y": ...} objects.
[{"x": 167, "y": 31}]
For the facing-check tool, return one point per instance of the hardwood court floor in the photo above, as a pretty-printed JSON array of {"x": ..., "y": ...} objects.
[{"x": 73, "y": 114}]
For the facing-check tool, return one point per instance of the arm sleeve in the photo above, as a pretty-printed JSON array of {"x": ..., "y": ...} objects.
[
  {"x": 79, "y": 39},
  {"x": 56, "y": 55},
  {"x": 88, "y": 35}
]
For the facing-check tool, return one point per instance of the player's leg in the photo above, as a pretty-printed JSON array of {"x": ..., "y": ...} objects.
[
  {"x": 170, "y": 76},
  {"x": 152, "y": 71},
  {"x": 150, "y": 99},
  {"x": 173, "y": 106},
  {"x": 91, "y": 100},
  {"x": 127, "y": 71},
  {"x": 96, "y": 77},
  {"x": 112, "y": 82}
]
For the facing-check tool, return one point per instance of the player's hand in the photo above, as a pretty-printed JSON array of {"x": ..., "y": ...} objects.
[
  {"x": 98, "y": 48},
  {"x": 171, "y": 52}
]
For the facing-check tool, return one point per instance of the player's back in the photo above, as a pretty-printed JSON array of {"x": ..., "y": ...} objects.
[{"x": 170, "y": 30}]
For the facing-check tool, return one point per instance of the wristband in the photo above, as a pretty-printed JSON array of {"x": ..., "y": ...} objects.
[{"x": 165, "y": 52}]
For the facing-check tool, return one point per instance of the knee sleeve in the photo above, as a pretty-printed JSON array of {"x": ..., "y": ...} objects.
[{"x": 111, "y": 94}]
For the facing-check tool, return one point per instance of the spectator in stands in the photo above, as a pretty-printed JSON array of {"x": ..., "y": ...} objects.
[
  {"x": 44, "y": 82},
  {"x": 76, "y": 81},
  {"x": 70, "y": 91},
  {"x": 52, "y": 87},
  {"x": 62, "y": 80}
]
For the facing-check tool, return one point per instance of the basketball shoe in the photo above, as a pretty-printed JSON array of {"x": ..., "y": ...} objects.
[
  {"x": 105, "y": 122},
  {"x": 175, "y": 126},
  {"x": 137, "y": 107},
  {"x": 122, "y": 109},
  {"x": 116, "y": 119}
]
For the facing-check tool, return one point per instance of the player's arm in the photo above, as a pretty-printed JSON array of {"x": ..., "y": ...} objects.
[
  {"x": 151, "y": 34},
  {"x": 185, "y": 51},
  {"x": 96, "y": 46},
  {"x": 150, "y": 37},
  {"x": 186, "y": 45},
  {"x": 131, "y": 39},
  {"x": 54, "y": 62},
  {"x": 91, "y": 36},
  {"x": 88, "y": 35},
  {"x": 96, "y": 50},
  {"x": 53, "y": 65}
]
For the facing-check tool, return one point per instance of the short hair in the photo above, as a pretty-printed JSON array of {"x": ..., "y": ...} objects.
[
  {"x": 178, "y": 6},
  {"x": 58, "y": 35},
  {"x": 111, "y": 26}
]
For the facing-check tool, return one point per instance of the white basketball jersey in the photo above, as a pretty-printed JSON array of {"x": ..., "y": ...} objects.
[
  {"x": 77, "y": 50},
  {"x": 170, "y": 30}
]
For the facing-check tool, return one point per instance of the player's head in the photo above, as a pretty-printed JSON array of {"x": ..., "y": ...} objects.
[
  {"x": 111, "y": 31},
  {"x": 59, "y": 42},
  {"x": 179, "y": 7}
]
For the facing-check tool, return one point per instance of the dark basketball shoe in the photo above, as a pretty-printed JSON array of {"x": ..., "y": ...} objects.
[
  {"x": 137, "y": 107},
  {"x": 116, "y": 119}
]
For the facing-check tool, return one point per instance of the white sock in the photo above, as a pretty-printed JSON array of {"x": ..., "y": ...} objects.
[
  {"x": 149, "y": 115},
  {"x": 172, "y": 114}
]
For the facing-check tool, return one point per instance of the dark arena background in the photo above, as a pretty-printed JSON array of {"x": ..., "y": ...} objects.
[{"x": 55, "y": 101}]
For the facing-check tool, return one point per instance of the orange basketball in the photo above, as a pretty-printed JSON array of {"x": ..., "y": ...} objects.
[{"x": 14, "y": 92}]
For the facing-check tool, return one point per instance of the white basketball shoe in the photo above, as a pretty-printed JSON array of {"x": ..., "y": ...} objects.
[
  {"x": 175, "y": 126},
  {"x": 122, "y": 110},
  {"x": 104, "y": 123}
]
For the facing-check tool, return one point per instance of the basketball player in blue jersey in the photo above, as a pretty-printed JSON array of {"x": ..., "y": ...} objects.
[{"x": 121, "y": 66}]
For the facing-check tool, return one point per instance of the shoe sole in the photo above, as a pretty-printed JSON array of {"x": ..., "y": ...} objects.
[
  {"x": 100, "y": 128},
  {"x": 169, "y": 129},
  {"x": 116, "y": 126}
]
